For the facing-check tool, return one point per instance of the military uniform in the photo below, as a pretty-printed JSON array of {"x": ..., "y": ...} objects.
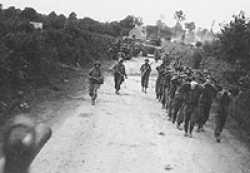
[
  {"x": 145, "y": 73},
  {"x": 160, "y": 82},
  {"x": 205, "y": 102},
  {"x": 157, "y": 83},
  {"x": 172, "y": 90},
  {"x": 95, "y": 76},
  {"x": 119, "y": 75},
  {"x": 221, "y": 113},
  {"x": 166, "y": 100},
  {"x": 179, "y": 99},
  {"x": 192, "y": 109}
]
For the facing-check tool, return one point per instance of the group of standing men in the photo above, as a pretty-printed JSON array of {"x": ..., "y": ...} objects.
[
  {"x": 188, "y": 94},
  {"x": 96, "y": 78}
]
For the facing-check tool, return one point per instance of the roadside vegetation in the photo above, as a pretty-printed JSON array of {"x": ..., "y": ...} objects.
[
  {"x": 227, "y": 58},
  {"x": 36, "y": 48}
]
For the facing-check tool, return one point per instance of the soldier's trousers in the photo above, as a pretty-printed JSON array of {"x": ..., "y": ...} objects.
[
  {"x": 118, "y": 81},
  {"x": 180, "y": 115},
  {"x": 177, "y": 103},
  {"x": 204, "y": 114},
  {"x": 93, "y": 90},
  {"x": 144, "y": 81},
  {"x": 170, "y": 107},
  {"x": 220, "y": 120},
  {"x": 157, "y": 88},
  {"x": 166, "y": 97},
  {"x": 161, "y": 92},
  {"x": 191, "y": 113}
]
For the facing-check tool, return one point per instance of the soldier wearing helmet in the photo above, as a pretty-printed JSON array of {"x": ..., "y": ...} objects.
[
  {"x": 191, "y": 109},
  {"x": 95, "y": 80},
  {"x": 145, "y": 73},
  {"x": 120, "y": 75}
]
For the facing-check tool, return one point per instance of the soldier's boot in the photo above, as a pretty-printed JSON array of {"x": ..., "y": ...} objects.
[
  {"x": 202, "y": 129},
  {"x": 179, "y": 127},
  {"x": 198, "y": 130},
  {"x": 117, "y": 92},
  {"x": 93, "y": 101},
  {"x": 218, "y": 139},
  {"x": 191, "y": 129},
  {"x": 190, "y": 135}
]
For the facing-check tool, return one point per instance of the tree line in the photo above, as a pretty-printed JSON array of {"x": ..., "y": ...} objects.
[{"x": 26, "y": 52}]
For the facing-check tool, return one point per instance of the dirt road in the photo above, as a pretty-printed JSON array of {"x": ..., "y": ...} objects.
[{"x": 121, "y": 135}]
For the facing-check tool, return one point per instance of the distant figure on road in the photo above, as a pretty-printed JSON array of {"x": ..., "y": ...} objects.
[
  {"x": 145, "y": 73},
  {"x": 95, "y": 80},
  {"x": 119, "y": 75},
  {"x": 157, "y": 55}
]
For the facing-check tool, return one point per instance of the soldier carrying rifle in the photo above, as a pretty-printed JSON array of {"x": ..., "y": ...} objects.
[{"x": 145, "y": 73}]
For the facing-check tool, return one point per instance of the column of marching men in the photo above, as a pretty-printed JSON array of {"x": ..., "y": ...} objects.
[{"x": 187, "y": 96}]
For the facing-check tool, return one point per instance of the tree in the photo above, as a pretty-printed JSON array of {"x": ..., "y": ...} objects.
[
  {"x": 190, "y": 26},
  {"x": 71, "y": 24},
  {"x": 52, "y": 14},
  {"x": 55, "y": 21},
  {"x": 72, "y": 16},
  {"x": 10, "y": 12},
  {"x": 235, "y": 41},
  {"x": 130, "y": 21},
  {"x": 160, "y": 26},
  {"x": 29, "y": 13},
  {"x": 179, "y": 16}
]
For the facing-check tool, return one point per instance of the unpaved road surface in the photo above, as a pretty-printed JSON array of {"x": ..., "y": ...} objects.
[{"x": 121, "y": 134}]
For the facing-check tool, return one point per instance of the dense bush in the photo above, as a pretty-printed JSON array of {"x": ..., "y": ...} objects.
[
  {"x": 24, "y": 50},
  {"x": 232, "y": 46}
]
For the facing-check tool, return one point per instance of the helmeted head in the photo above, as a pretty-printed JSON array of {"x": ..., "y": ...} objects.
[
  {"x": 146, "y": 60},
  {"x": 120, "y": 60},
  {"x": 193, "y": 84},
  {"x": 97, "y": 64},
  {"x": 198, "y": 44},
  {"x": 175, "y": 77}
]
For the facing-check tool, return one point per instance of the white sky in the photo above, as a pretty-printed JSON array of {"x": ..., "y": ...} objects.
[{"x": 202, "y": 12}]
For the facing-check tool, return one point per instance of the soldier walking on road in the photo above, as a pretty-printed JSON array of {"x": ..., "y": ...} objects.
[
  {"x": 160, "y": 81},
  {"x": 119, "y": 75},
  {"x": 223, "y": 99},
  {"x": 145, "y": 73},
  {"x": 179, "y": 99},
  {"x": 205, "y": 103},
  {"x": 95, "y": 80},
  {"x": 172, "y": 90},
  {"x": 191, "y": 108}
]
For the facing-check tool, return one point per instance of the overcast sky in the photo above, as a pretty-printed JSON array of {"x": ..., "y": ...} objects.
[{"x": 202, "y": 12}]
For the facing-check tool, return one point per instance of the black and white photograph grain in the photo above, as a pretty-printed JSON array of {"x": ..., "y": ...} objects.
[{"x": 124, "y": 86}]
